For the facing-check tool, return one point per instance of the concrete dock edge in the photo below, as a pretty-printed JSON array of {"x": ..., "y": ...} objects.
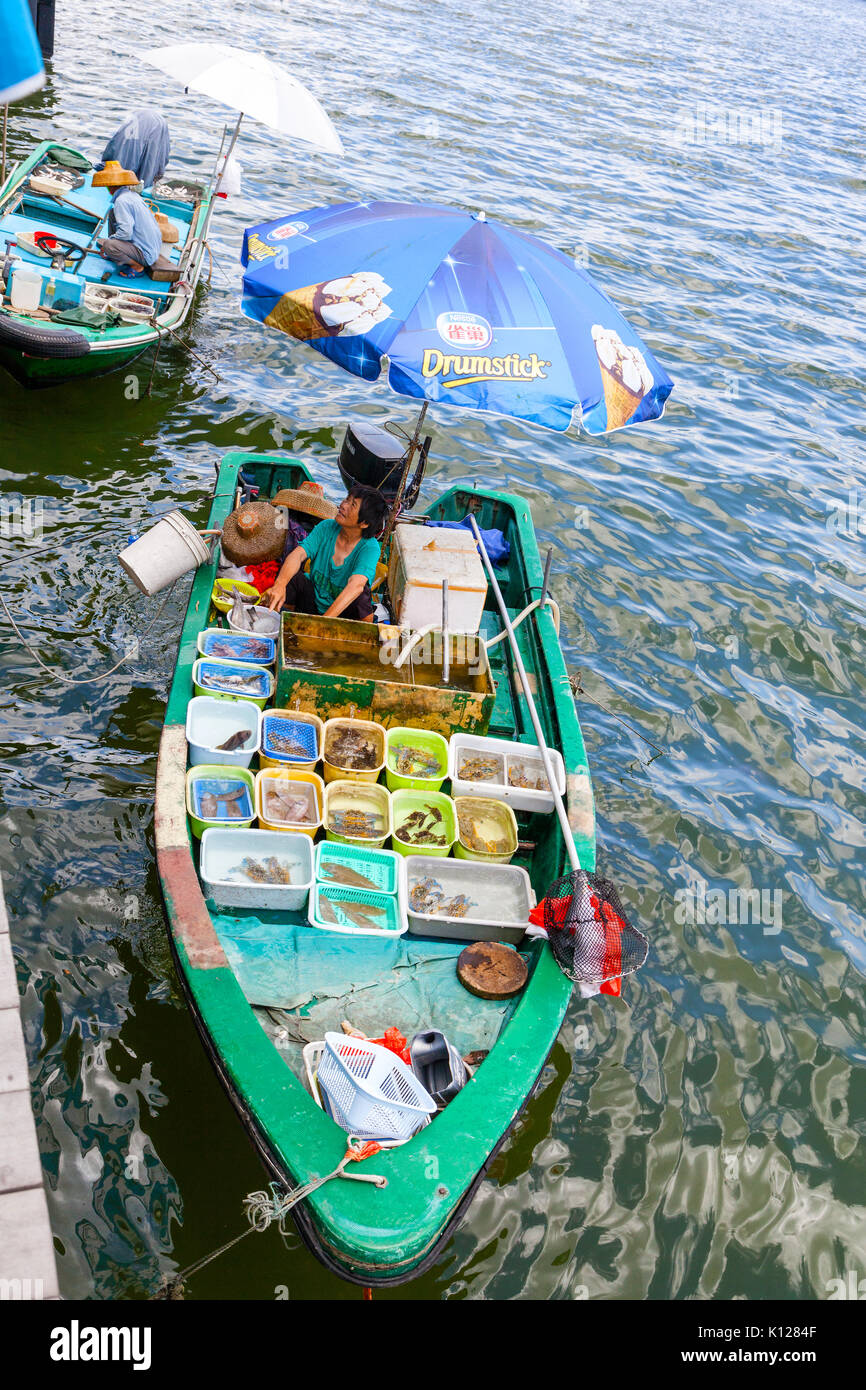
[{"x": 27, "y": 1265}]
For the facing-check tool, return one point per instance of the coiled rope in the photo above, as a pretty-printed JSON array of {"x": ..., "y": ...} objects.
[{"x": 262, "y": 1209}]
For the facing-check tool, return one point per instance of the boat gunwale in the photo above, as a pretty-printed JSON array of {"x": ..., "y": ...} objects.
[{"x": 361, "y": 1275}]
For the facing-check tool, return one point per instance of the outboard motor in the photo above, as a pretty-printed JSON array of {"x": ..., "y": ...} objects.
[{"x": 374, "y": 457}]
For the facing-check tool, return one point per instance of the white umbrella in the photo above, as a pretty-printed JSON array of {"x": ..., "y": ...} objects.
[{"x": 251, "y": 85}]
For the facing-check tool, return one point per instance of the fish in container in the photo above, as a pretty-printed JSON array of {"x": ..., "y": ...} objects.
[
  {"x": 290, "y": 803},
  {"x": 218, "y": 801}
]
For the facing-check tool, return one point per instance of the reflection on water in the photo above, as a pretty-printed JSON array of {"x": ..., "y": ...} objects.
[{"x": 702, "y": 1136}]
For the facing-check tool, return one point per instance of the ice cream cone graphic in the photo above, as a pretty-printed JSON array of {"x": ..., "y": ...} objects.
[
  {"x": 350, "y": 305},
  {"x": 625, "y": 376},
  {"x": 296, "y": 315}
]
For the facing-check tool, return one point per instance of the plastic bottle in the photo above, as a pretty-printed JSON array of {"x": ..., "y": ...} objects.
[{"x": 11, "y": 248}]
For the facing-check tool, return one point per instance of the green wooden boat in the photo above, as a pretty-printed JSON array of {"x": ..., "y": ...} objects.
[
  {"x": 240, "y": 994},
  {"x": 39, "y": 349}
]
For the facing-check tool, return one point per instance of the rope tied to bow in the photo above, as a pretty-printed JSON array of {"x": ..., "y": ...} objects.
[{"x": 262, "y": 1209}]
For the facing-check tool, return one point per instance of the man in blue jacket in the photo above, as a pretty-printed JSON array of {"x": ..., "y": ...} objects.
[{"x": 135, "y": 243}]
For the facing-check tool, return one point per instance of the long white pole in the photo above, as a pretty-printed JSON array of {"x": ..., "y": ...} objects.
[
  {"x": 446, "y": 646},
  {"x": 533, "y": 712},
  {"x": 202, "y": 236},
  {"x": 234, "y": 140}
]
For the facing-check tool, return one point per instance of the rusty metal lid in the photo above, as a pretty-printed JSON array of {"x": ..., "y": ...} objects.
[{"x": 491, "y": 970}]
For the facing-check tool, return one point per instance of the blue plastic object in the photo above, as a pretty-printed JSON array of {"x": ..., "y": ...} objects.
[
  {"x": 21, "y": 67},
  {"x": 296, "y": 730},
  {"x": 257, "y": 651},
  {"x": 213, "y": 676},
  {"x": 497, "y": 547},
  {"x": 381, "y": 866},
  {"x": 141, "y": 144},
  {"x": 206, "y": 786}
]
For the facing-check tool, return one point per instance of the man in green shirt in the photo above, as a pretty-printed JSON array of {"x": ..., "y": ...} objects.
[{"x": 343, "y": 556}]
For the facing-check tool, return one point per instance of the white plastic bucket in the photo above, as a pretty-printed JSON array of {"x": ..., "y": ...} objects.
[
  {"x": 169, "y": 549},
  {"x": 265, "y": 623},
  {"x": 26, "y": 287}
]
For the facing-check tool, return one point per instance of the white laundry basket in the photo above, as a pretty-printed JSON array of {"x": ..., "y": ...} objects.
[{"x": 370, "y": 1092}]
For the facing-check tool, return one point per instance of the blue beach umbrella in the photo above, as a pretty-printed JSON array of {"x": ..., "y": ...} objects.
[
  {"x": 465, "y": 310},
  {"x": 21, "y": 67}
]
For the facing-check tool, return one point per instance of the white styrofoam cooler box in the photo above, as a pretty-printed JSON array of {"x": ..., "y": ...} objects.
[
  {"x": 223, "y": 852},
  {"x": 421, "y": 557},
  {"x": 516, "y": 756}
]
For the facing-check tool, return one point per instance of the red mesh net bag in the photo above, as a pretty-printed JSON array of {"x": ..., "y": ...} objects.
[{"x": 590, "y": 936}]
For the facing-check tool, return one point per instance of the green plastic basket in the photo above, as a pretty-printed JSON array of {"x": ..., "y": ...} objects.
[
  {"x": 223, "y": 776},
  {"x": 382, "y": 866},
  {"x": 403, "y": 803},
  {"x": 363, "y": 795},
  {"x": 428, "y": 742},
  {"x": 393, "y": 920}
]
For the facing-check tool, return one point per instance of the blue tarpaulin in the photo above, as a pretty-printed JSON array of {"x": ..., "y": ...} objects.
[
  {"x": 497, "y": 547},
  {"x": 320, "y": 978}
]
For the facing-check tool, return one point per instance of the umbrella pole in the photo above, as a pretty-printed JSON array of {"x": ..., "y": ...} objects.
[
  {"x": 410, "y": 454},
  {"x": 234, "y": 140},
  {"x": 216, "y": 163},
  {"x": 202, "y": 236},
  {"x": 446, "y": 650},
  {"x": 216, "y": 173}
]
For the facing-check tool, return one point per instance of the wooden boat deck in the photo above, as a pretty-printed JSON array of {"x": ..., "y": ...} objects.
[
  {"x": 22, "y": 210},
  {"x": 26, "y": 211}
]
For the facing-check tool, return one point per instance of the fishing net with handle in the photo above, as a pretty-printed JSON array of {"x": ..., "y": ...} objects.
[{"x": 589, "y": 933}]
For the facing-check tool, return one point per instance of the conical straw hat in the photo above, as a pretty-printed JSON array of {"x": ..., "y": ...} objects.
[
  {"x": 168, "y": 231},
  {"x": 114, "y": 175},
  {"x": 308, "y": 499},
  {"x": 252, "y": 534}
]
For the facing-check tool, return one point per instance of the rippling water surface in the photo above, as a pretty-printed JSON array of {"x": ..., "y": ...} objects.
[{"x": 699, "y": 1137}]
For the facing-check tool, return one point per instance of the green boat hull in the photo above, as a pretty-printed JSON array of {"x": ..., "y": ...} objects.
[
  {"x": 34, "y": 372},
  {"x": 372, "y": 1236}
]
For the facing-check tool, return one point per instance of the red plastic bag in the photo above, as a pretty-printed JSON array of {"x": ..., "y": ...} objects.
[
  {"x": 263, "y": 575},
  {"x": 395, "y": 1042}
]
